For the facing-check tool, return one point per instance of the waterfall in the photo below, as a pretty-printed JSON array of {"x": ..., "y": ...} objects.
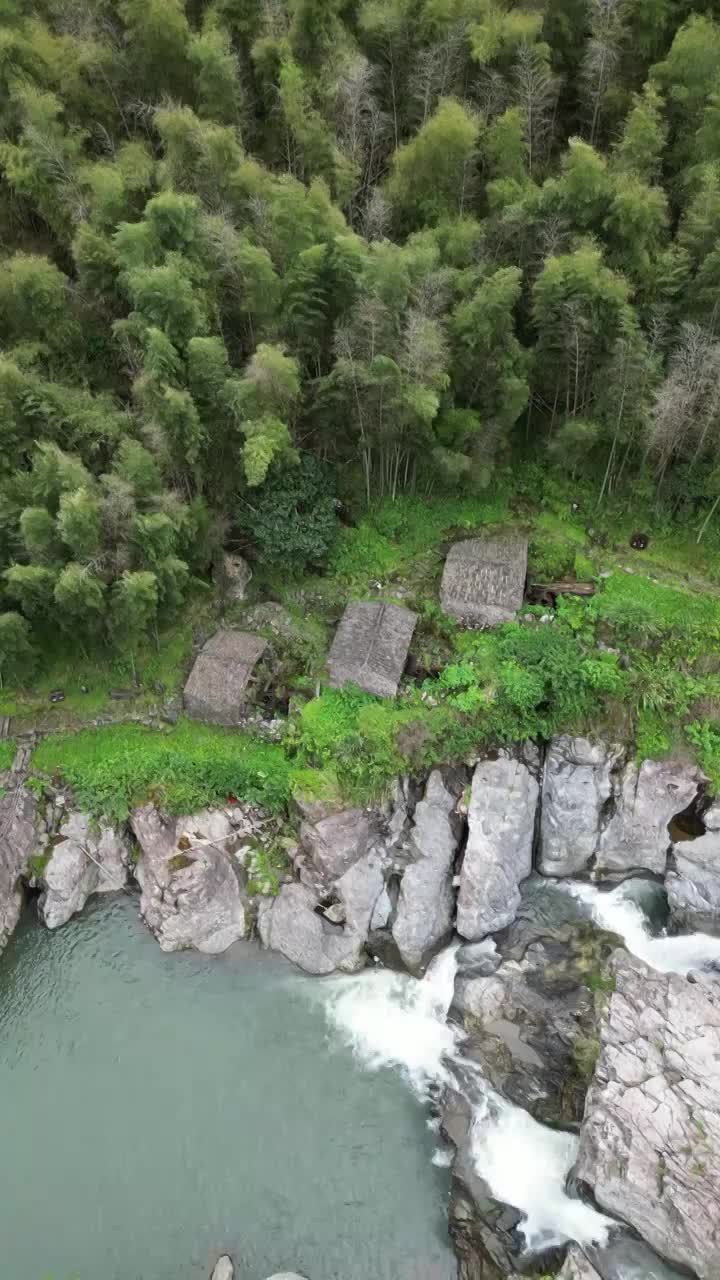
[
  {"x": 394, "y": 1020},
  {"x": 618, "y": 913}
]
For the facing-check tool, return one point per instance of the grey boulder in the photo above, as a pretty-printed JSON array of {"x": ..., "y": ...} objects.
[
  {"x": 84, "y": 861},
  {"x": 498, "y": 856},
  {"x": 577, "y": 785},
  {"x": 650, "y": 1139},
  {"x": 295, "y": 926},
  {"x": 334, "y": 843},
  {"x": 18, "y": 843},
  {"x": 223, "y": 1269},
  {"x": 647, "y": 798},
  {"x": 577, "y": 1267},
  {"x": 424, "y": 914},
  {"x": 693, "y": 887},
  {"x": 190, "y": 880}
]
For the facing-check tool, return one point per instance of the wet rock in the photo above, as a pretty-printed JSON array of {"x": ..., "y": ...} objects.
[
  {"x": 191, "y": 884},
  {"x": 223, "y": 1269},
  {"x": 693, "y": 887},
  {"x": 625, "y": 1258},
  {"x": 18, "y": 842},
  {"x": 498, "y": 856},
  {"x": 577, "y": 1267},
  {"x": 650, "y": 1140},
  {"x": 83, "y": 862},
  {"x": 637, "y": 836},
  {"x": 335, "y": 842},
  {"x": 528, "y": 1025},
  {"x": 576, "y": 787},
  {"x": 482, "y": 1229},
  {"x": 425, "y": 906}
]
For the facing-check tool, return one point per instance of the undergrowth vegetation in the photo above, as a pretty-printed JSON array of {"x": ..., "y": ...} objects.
[
  {"x": 638, "y": 661},
  {"x": 183, "y": 769}
]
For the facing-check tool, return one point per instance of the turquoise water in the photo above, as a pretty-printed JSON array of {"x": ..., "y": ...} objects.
[{"x": 158, "y": 1110}]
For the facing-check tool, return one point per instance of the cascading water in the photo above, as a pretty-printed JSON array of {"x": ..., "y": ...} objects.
[
  {"x": 616, "y": 911},
  {"x": 393, "y": 1020}
]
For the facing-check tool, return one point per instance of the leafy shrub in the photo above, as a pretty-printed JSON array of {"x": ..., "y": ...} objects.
[
  {"x": 550, "y": 558},
  {"x": 705, "y": 738},
  {"x": 7, "y": 754},
  {"x": 292, "y": 516}
]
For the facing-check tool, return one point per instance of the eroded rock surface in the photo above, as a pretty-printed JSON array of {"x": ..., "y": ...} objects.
[
  {"x": 424, "y": 915},
  {"x": 18, "y": 843},
  {"x": 650, "y": 1140},
  {"x": 336, "y": 842},
  {"x": 528, "y": 1005},
  {"x": 693, "y": 887},
  {"x": 190, "y": 880},
  {"x": 636, "y": 836},
  {"x": 498, "y": 856},
  {"x": 577, "y": 786},
  {"x": 84, "y": 861}
]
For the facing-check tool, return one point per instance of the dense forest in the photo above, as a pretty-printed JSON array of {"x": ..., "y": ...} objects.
[{"x": 263, "y": 255}]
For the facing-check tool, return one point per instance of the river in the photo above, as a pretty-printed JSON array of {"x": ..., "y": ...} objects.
[{"x": 157, "y": 1110}]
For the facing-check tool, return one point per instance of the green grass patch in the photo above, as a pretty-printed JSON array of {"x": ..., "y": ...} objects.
[
  {"x": 182, "y": 770},
  {"x": 7, "y": 754}
]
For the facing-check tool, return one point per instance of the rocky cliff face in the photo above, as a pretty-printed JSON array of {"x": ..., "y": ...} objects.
[
  {"x": 192, "y": 895},
  {"x": 650, "y": 1140},
  {"x": 85, "y": 859},
  {"x": 19, "y": 840},
  {"x": 499, "y": 852}
]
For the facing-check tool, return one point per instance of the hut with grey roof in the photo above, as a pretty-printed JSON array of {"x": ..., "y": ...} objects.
[
  {"x": 218, "y": 687},
  {"x": 483, "y": 581},
  {"x": 371, "y": 646}
]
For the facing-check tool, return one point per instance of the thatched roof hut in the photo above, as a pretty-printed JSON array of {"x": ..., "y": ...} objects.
[
  {"x": 371, "y": 646},
  {"x": 484, "y": 579},
  {"x": 218, "y": 685}
]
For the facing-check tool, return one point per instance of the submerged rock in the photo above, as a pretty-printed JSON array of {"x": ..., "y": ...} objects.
[
  {"x": 424, "y": 914},
  {"x": 650, "y": 1140},
  {"x": 498, "y": 856},
  {"x": 693, "y": 887},
  {"x": 626, "y": 1258},
  {"x": 18, "y": 843},
  {"x": 191, "y": 887},
  {"x": 647, "y": 798},
  {"x": 223, "y": 1269},
  {"x": 83, "y": 862},
  {"x": 577, "y": 785}
]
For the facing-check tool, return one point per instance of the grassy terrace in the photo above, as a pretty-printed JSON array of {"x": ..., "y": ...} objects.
[{"x": 639, "y": 660}]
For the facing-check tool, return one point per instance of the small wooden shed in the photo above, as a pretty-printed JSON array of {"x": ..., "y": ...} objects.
[
  {"x": 371, "y": 646},
  {"x": 217, "y": 689},
  {"x": 483, "y": 581}
]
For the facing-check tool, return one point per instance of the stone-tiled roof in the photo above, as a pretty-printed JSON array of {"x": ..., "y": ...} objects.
[
  {"x": 484, "y": 579},
  {"x": 371, "y": 646}
]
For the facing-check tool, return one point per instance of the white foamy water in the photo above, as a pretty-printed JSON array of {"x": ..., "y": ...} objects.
[
  {"x": 526, "y": 1165},
  {"x": 393, "y": 1020},
  {"x": 617, "y": 912}
]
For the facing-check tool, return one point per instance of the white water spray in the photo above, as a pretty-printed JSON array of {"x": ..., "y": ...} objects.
[
  {"x": 619, "y": 913},
  {"x": 525, "y": 1164},
  {"x": 391, "y": 1019}
]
